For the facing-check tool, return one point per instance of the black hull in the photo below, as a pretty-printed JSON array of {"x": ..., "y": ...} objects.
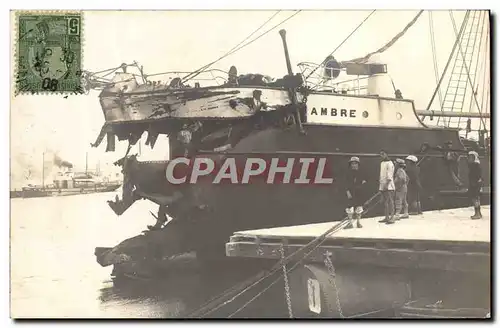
[{"x": 242, "y": 207}]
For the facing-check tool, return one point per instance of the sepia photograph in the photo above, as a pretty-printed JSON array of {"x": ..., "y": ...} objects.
[{"x": 257, "y": 164}]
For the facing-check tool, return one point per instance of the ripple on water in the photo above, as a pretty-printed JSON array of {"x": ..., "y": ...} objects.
[{"x": 54, "y": 273}]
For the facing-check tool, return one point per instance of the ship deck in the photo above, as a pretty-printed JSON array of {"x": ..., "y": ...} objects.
[{"x": 445, "y": 239}]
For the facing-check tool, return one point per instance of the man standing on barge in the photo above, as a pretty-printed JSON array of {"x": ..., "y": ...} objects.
[
  {"x": 386, "y": 187},
  {"x": 414, "y": 185},
  {"x": 355, "y": 193},
  {"x": 475, "y": 183},
  {"x": 401, "y": 187}
]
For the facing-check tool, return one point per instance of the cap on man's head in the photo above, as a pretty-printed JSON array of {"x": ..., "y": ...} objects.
[
  {"x": 400, "y": 161},
  {"x": 354, "y": 159},
  {"x": 412, "y": 158}
]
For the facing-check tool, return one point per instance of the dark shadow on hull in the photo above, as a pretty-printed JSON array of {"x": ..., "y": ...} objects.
[{"x": 259, "y": 205}]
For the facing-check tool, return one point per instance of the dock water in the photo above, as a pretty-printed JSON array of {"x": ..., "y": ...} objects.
[
  {"x": 69, "y": 237},
  {"x": 54, "y": 273}
]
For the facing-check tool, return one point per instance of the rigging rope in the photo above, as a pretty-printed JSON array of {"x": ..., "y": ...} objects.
[
  {"x": 476, "y": 71},
  {"x": 434, "y": 59},
  {"x": 263, "y": 275},
  {"x": 278, "y": 266},
  {"x": 468, "y": 74},
  {"x": 464, "y": 63},
  {"x": 486, "y": 67},
  {"x": 252, "y": 282},
  {"x": 390, "y": 43},
  {"x": 198, "y": 71},
  {"x": 334, "y": 229},
  {"x": 337, "y": 48},
  {"x": 457, "y": 40},
  {"x": 261, "y": 26},
  {"x": 236, "y": 46}
]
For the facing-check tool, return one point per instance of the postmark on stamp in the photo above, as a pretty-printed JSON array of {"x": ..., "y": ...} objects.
[{"x": 49, "y": 52}]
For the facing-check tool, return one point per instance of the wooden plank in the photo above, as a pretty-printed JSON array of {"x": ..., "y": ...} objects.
[{"x": 453, "y": 225}]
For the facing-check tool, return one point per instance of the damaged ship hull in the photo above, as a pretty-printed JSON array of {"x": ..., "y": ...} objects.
[
  {"x": 126, "y": 101},
  {"x": 337, "y": 127},
  {"x": 229, "y": 208}
]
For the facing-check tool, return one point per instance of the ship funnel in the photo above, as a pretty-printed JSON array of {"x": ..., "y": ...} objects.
[
  {"x": 380, "y": 85},
  {"x": 379, "y": 82}
]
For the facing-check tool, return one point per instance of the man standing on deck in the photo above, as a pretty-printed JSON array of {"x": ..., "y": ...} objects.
[
  {"x": 475, "y": 183},
  {"x": 414, "y": 186},
  {"x": 186, "y": 138},
  {"x": 386, "y": 187},
  {"x": 355, "y": 193},
  {"x": 401, "y": 186}
]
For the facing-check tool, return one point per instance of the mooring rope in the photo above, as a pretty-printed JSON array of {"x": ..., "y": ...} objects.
[
  {"x": 252, "y": 282},
  {"x": 278, "y": 266},
  {"x": 333, "y": 230}
]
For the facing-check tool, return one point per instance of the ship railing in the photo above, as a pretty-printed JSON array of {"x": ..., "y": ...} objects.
[
  {"x": 316, "y": 80},
  {"x": 209, "y": 77},
  {"x": 102, "y": 79},
  {"x": 317, "y": 77}
]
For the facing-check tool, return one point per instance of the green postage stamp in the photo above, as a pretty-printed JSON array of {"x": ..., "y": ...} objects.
[{"x": 49, "y": 52}]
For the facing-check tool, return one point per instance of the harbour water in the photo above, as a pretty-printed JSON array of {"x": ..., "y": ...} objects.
[{"x": 54, "y": 273}]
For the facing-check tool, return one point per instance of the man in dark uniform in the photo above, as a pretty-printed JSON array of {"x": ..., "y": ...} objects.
[
  {"x": 401, "y": 190},
  {"x": 475, "y": 183},
  {"x": 451, "y": 158},
  {"x": 355, "y": 193},
  {"x": 414, "y": 185}
]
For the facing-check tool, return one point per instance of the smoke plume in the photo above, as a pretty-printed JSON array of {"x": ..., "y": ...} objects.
[{"x": 59, "y": 162}]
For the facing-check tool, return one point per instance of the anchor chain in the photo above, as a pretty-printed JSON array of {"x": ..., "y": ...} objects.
[
  {"x": 287, "y": 286},
  {"x": 333, "y": 282}
]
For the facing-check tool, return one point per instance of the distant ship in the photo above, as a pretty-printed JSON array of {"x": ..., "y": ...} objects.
[{"x": 68, "y": 183}]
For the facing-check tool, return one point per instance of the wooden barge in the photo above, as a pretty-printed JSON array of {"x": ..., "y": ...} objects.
[{"x": 434, "y": 265}]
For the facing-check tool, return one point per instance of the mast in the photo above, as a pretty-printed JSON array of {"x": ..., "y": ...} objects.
[
  {"x": 291, "y": 91},
  {"x": 457, "y": 40},
  {"x": 460, "y": 98},
  {"x": 86, "y": 162}
]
